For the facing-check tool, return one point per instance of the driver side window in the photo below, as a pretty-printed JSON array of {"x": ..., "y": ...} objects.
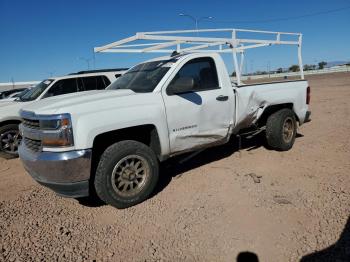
[
  {"x": 202, "y": 71},
  {"x": 62, "y": 87}
]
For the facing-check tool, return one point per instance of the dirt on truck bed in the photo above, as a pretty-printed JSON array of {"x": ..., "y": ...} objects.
[{"x": 280, "y": 206}]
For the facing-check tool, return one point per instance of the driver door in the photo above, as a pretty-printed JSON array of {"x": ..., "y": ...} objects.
[{"x": 199, "y": 115}]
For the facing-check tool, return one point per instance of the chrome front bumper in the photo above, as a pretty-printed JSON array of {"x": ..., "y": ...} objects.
[{"x": 66, "y": 173}]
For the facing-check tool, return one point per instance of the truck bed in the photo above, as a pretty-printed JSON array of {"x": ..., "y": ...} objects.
[{"x": 252, "y": 99}]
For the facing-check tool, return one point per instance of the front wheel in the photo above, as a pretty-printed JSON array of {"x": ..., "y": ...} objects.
[
  {"x": 126, "y": 174},
  {"x": 10, "y": 139},
  {"x": 281, "y": 129}
]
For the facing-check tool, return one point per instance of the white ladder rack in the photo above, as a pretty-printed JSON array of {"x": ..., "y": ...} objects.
[{"x": 191, "y": 41}]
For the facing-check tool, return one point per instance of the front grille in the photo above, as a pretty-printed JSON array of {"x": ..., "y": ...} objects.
[
  {"x": 34, "y": 145},
  {"x": 31, "y": 123}
]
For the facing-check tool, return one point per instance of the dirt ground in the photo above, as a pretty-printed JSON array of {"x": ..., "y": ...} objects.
[{"x": 207, "y": 209}]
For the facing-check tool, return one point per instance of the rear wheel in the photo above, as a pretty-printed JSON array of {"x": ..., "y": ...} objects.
[
  {"x": 10, "y": 139},
  {"x": 126, "y": 174},
  {"x": 281, "y": 129}
]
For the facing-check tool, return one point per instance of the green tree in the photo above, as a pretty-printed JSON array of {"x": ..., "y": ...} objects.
[
  {"x": 309, "y": 67},
  {"x": 294, "y": 68},
  {"x": 322, "y": 64}
]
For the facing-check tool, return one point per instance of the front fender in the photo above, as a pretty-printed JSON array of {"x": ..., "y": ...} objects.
[{"x": 87, "y": 127}]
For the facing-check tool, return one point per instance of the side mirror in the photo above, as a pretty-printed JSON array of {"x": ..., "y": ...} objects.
[{"x": 181, "y": 85}]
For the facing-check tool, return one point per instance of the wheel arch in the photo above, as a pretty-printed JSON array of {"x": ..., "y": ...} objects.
[
  {"x": 9, "y": 122},
  {"x": 272, "y": 109},
  {"x": 146, "y": 134}
]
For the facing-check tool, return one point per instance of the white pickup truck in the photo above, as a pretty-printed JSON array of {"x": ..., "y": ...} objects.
[
  {"x": 55, "y": 86},
  {"x": 112, "y": 140}
]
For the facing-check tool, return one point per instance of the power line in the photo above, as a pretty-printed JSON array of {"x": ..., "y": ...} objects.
[{"x": 285, "y": 18}]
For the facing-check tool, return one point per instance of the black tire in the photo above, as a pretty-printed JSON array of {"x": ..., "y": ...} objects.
[
  {"x": 281, "y": 129},
  {"x": 107, "y": 170},
  {"x": 5, "y": 151}
]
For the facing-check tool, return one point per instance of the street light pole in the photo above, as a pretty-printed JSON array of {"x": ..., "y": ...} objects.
[
  {"x": 13, "y": 83},
  {"x": 51, "y": 73},
  {"x": 196, "y": 20},
  {"x": 87, "y": 60}
]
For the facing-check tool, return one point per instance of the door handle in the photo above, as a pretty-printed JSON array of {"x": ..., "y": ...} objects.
[{"x": 222, "y": 98}]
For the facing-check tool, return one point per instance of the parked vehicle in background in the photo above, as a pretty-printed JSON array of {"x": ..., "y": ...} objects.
[
  {"x": 113, "y": 140},
  {"x": 55, "y": 86},
  {"x": 17, "y": 94},
  {"x": 8, "y": 93},
  {"x": 14, "y": 96}
]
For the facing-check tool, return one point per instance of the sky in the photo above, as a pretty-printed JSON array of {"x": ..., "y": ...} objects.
[{"x": 40, "y": 38}]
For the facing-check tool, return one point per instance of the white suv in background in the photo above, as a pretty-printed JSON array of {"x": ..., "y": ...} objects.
[{"x": 72, "y": 83}]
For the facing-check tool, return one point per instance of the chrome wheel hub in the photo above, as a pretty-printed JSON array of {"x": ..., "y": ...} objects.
[
  {"x": 288, "y": 129},
  {"x": 10, "y": 141},
  {"x": 130, "y": 175}
]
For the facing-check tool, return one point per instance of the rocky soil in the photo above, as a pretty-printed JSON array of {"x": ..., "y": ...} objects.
[{"x": 281, "y": 206}]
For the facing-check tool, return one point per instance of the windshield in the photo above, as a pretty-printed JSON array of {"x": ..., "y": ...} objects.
[
  {"x": 36, "y": 91},
  {"x": 144, "y": 77},
  {"x": 21, "y": 93}
]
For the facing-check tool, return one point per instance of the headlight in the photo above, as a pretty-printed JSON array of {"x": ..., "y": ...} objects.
[
  {"x": 50, "y": 124},
  {"x": 57, "y": 131}
]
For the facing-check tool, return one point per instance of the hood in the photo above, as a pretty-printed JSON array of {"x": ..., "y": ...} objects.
[
  {"x": 89, "y": 101},
  {"x": 4, "y": 102},
  {"x": 10, "y": 110},
  {"x": 8, "y": 99}
]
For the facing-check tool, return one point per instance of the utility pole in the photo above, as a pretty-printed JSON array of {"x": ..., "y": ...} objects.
[
  {"x": 251, "y": 66},
  {"x": 13, "y": 83}
]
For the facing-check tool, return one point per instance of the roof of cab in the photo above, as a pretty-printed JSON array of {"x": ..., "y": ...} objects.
[{"x": 91, "y": 73}]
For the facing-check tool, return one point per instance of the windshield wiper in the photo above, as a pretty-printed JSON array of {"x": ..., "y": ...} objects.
[{"x": 20, "y": 99}]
